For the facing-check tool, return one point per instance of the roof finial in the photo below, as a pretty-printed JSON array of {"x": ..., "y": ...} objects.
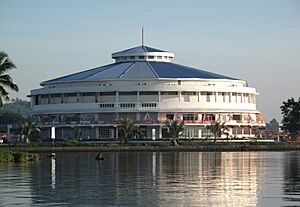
[{"x": 142, "y": 35}]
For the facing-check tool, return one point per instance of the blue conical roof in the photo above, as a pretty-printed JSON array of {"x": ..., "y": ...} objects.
[{"x": 135, "y": 70}]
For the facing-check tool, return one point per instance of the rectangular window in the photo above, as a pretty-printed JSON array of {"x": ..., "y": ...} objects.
[
  {"x": 150, "y": 57},
  {"x": 107, "y": 105},
  {"x": 104, "y": 132},
  {"x": 127, "y": 105},
  {"x": 141, "y": 57},
  {"x": 70, "y": 94},
  {"x": 113, "y": 93},
  {"x": 56, "y": 95},
  {"x": 189, "y": 93},
  {"x": 208, "y": 96},
  {"x": 128, "y": 93},
  {"x": 132, "y": 57},
  {"x": 189, "y": 117},
  {"x": 88, "y": 94},
  {"x": 170, "y": 116},
  {"x": 148, "y": 93},
  {"x": 236, "y": 117},
  {"x": 169, "y": 93},
  {"x": 149, "y": 104}
]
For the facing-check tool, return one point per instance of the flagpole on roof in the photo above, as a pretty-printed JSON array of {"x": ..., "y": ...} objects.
[{"x": 142, "y": 35}]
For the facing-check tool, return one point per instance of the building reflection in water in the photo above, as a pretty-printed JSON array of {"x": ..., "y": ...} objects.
[
  {"x": 53, "y": 165},
  {"x": 291, "y": 186},
  {"x": 150, "y": 179}
]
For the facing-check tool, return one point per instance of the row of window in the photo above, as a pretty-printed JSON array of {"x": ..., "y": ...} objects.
[
  {"x": 231, "y": 97},
  {"x": 142, "y": 57},
  {"x": 124, "y": 93},
  {"x": 126, "y": 105}
]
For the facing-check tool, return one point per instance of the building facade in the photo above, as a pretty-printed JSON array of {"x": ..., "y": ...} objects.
[{"x": 143, "y": 85}]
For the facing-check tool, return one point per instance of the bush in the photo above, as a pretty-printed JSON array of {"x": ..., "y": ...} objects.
[
  {"x": 20, "y": 156},
  {"x": 6, "y": 156},
  {"x": 9, "y": 156}
]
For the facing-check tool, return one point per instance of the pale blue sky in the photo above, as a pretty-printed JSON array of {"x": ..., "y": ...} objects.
[{"x": 254, "y": 40}]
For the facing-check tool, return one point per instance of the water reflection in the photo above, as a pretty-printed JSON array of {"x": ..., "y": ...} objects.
[
  {"x": 153, "y": 179},
  {"x": 291, "y": 186},
  {"x": 53, "y": 166}
]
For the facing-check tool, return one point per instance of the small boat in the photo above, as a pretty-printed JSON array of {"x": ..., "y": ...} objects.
[{"x": 99, "y": 156}]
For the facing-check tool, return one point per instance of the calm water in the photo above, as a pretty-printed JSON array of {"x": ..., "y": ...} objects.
[{"x": 154, "y": 179}]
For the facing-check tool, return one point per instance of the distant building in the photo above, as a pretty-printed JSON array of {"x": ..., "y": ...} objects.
[{"x": 143, "y": 85}]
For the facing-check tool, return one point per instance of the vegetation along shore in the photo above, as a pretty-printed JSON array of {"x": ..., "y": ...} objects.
[
  {"x": 200, "y": 147},
  {"x": 17, "y": 156}
]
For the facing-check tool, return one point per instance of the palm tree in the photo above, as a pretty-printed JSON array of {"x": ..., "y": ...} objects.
[
  {"x": 175, "y": 128},
  {"x": 30, "y": 132},
  {"x": 5, "y": 80},
  {"x": 218, "y": 129},
  {"x": 77, "y": 133},
  {"x": 127, "y": 129}
]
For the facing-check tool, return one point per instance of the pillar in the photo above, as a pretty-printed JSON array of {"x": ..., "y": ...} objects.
[
  {"x": 97, "y": 132},
  {"x": 160, "y": 132},
  {"x": 117, "y": 133}
]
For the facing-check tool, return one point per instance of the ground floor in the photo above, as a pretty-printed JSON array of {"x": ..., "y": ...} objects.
[{"x": 153, "y": 132}]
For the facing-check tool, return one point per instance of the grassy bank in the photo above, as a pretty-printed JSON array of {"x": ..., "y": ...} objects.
[
  {"x": 152, "y": 146},
  {"x": 17, "y": 156}
]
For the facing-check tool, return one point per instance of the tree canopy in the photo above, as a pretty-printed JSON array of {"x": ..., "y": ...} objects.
[
  {"x": 290, "y": 110},
  {"x": 218, "y": 129},
  {"x": 175, "y": 128},
  {"x": 19, "y": 106},
  {"x": 6, "y": 81},
  {"x": 127, "y": 129}
]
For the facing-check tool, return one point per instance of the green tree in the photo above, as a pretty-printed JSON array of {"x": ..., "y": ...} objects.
[
  {"x": 30, "y": 132},
  {"x": 175, "y": 128},
  {"x": 19, "y": 106},
  {"x": 127, "y": 130},
  {"x": 11, "y": 118},
  {"x": 218, "y": 129},
  {"x": 5, "y": 79},
  {"x": 290, "y": 110}
]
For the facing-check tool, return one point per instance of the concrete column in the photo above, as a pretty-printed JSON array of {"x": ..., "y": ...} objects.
[
  {"x": 62, "y": 98},
  {"x": 153, "y": 134},
  {"x": 117, "y": 98},
  {"x": 179, "y": 96},
  {"x": 97, "y": 132},
  {"x": 138, "y": 98},
  {"x": 138, "y": 116},
  {"x": 78, "y": 96},
  {"x": 159, "y": 98},
  {"x": 117, "y": 133},
  {"x": 160, "y": 132}
]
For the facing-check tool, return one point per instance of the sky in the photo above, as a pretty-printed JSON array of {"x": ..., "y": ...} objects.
[{"x": 253, "y": 40}]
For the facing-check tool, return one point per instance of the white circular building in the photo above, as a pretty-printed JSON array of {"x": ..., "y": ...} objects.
[{"x": 143, "y": 85}]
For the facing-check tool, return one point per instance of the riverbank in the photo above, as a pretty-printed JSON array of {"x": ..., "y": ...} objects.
[{"x": 153, "y": 147}]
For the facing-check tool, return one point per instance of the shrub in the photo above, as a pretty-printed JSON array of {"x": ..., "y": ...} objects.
[
  {"x": 20, "y": 156},
  {"x": 6, "y": 156}
]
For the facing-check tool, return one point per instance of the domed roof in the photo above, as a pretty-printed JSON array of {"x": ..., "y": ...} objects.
[{"x": 136, "y": 68}]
